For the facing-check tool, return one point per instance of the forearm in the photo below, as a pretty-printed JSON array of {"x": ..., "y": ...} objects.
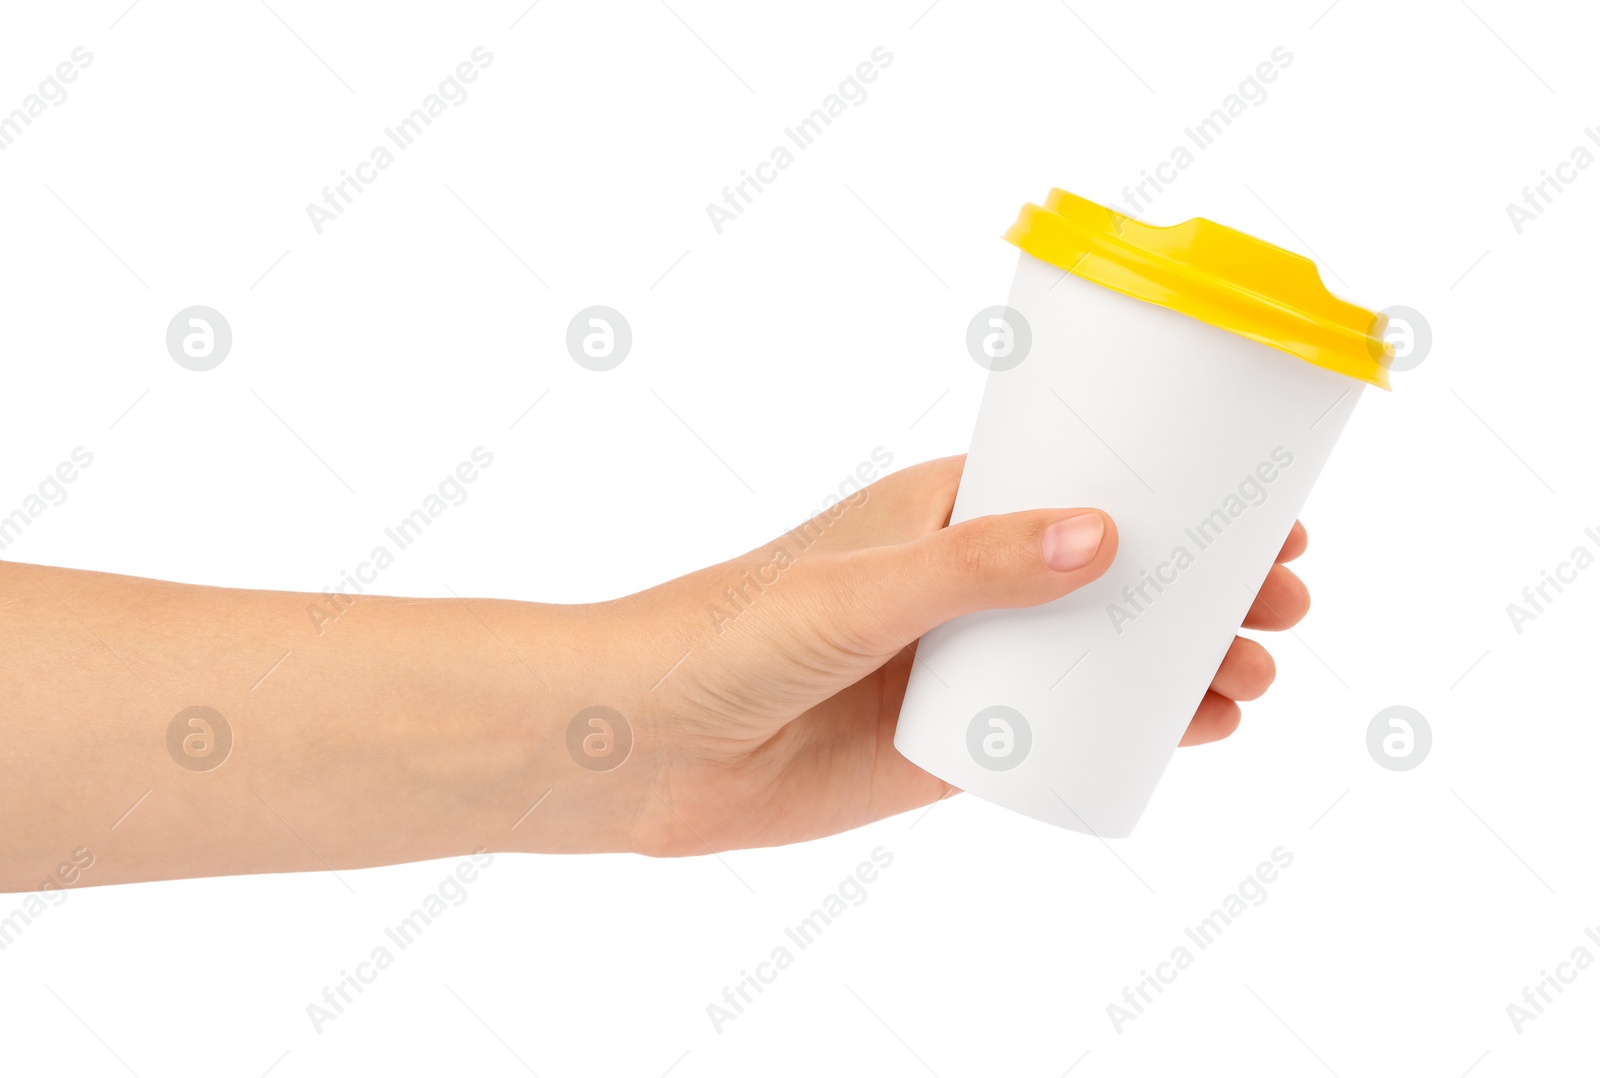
[{"x": 405, "y": 729}]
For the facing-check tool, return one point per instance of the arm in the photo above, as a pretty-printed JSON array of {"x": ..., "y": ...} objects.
[
  {"x": 419, "y": 728},
  {"x": 408, "y": 729}
]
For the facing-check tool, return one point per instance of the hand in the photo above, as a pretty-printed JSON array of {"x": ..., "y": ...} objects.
[
  {"x": 761, "y": 695},
  {"x": 788, "y": 665}
]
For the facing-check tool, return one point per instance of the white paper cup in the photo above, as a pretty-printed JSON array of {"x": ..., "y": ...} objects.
[{"x": 1203, "y": 445}]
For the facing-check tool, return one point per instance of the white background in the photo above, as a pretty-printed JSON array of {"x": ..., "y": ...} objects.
[{"x": 768, "y": 361}]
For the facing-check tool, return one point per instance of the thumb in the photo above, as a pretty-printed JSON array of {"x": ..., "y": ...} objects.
[{"x": 1011, "y": 560}]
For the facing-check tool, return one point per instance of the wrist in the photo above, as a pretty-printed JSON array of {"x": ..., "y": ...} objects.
[{"x": 575, "y": 753}]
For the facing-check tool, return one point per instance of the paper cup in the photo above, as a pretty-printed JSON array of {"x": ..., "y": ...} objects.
[{"x": 1201, "y": 442}]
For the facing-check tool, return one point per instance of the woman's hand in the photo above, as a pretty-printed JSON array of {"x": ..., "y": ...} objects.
[
  {"x": 785, "y": 668},
  {"x": 749, "y": 704}
]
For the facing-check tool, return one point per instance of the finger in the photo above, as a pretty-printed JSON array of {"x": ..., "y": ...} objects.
[
  {"x": 1280, "y": 604},
  {"x": 1295, "y": 545},
  {"x": 1214, "y": 719},
  {"x": 1005, "y": 561},
  {"x": 1246, "y": 672}
]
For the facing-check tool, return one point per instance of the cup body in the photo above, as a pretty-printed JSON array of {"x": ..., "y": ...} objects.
[{"x": 1203, "y": 446}]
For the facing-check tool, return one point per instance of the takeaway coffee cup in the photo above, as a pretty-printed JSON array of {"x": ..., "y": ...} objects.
[{"x": 1190, "y": 380}]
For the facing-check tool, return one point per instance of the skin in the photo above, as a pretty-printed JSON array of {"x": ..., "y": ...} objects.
[{"x": 409, "y": 729}]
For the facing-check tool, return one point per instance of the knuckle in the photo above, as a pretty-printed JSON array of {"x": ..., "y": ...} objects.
[{"x": 974, "y": 548}]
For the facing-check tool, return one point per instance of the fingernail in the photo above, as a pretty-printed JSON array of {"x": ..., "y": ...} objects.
[{"x": 1072, "y": 543}]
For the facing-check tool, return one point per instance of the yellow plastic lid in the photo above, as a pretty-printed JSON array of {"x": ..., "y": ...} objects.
[{"x": 1214, "y": 273}]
